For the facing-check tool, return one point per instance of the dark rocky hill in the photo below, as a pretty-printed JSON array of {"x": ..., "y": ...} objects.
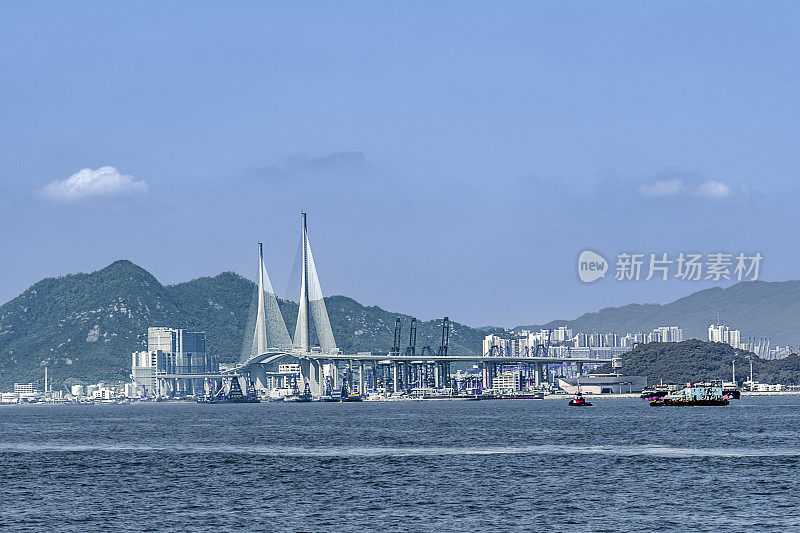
[{"x": 694, "y": 360}]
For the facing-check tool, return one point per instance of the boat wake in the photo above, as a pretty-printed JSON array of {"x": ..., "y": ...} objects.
[{"x": 410, "y": 451}]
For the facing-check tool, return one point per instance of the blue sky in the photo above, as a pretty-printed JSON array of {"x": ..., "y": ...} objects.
[{"x": 454, "y": 158}]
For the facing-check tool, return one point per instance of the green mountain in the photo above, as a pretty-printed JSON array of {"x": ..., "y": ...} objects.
[
  {"x": 85, "y": 326},
  {"x": 694, "y": 360},
  {"x": 757, "y": 308}
]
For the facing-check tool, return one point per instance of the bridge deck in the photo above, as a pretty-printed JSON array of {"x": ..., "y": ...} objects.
[
  {"x": 272, "y": 356},
  {"x": 461, "y": 358}
]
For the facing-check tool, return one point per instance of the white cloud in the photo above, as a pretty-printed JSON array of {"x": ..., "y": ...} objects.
[
  {"x": 715, "y": 190},
  {"x": 88, "y": 183},
  {"x": 691, "y": 186},
  {"x": 671, "y": 187}
]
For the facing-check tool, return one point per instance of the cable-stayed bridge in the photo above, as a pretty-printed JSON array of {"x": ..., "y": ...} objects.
[{"x": 268, "y": 340}]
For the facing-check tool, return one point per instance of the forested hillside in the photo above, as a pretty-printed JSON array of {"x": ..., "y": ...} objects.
[{"x": 85, "y": 326}]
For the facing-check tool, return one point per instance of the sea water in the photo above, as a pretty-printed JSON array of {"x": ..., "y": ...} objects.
[{"x": 414, "y": 466}]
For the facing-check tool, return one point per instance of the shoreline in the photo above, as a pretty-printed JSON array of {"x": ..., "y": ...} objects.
[{"x": 546, "y": 397}]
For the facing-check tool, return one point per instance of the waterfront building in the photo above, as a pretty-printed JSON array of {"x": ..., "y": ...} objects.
[
  {"x": 764, "y": 387},
  {"x": 132, "y": 390},
  {"x": 25, "y": 388},
  {"x": 103, "y": 392},
  {"x": 146, "y": 367},
  {"x": 185, "y": 350},
  {"x": 603, "y": 384},
  {"x": 10, "y": 397},
  {"x": 507, "y": 381},
  {"x": 171, "y": 353}
]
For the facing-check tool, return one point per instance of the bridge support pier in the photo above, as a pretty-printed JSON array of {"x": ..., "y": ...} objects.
[
  {"x": 258, "y": 375},
  {"x": 331, "y": 375},
  {"x": 350, "y": 386},
  {"x": 488, "y": 374},
  {"x": 361, "y": 388},
  {"x": 537, "y": 374},
  {"x": 310, "y": 372},
  {"x": 579, "y": 367},
  {"x": 394, "y": 376}
]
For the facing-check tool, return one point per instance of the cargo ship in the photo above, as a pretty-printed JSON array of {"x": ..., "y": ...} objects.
[{"x": 694, "y": 395}]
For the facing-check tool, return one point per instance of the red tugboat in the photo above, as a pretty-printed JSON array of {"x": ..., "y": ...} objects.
[{"x": 579, "y": 401}]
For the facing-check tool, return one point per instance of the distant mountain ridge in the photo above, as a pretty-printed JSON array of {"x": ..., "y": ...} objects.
[
  {"x": 757, "y": 308},
  {"x": 85, "y": 326}
]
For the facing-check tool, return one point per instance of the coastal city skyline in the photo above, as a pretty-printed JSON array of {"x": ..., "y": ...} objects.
[
  {"x": 176, "y": 364},
  {"x": 399, "y": 266}
]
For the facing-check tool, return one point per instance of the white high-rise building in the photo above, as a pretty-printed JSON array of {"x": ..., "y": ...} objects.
[
  {"x": 666, "y": 334},
  {"x": 735, "y": 338},
  {"x": 170, "y": 353},
  {"x": 499, "y": 344},
  {"x": 561, "y": 334},
  {"x": 722, "y": 333}
]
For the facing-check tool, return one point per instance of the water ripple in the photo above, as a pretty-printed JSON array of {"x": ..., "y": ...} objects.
[{"x": 409, "y": 451}]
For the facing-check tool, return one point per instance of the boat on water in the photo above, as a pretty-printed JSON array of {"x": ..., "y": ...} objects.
[
  {"x": 730, "y": 391},
  {"x": 579, "y": 401},
  {"x": 297, "y": 397},
  {"x": 347, "y": 396},
  {"x": 659, "y": 391},
  {"x": 235, "y": 395},
  {"x": 352, "y": 397},
  {"x": 518, "y": 395},
  {"x": 710, "y": 393}
]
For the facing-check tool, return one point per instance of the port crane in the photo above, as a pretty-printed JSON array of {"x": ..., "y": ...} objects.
[
  {"x": 398, "y": 328},
  {"x": 412, "y": 341}
]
